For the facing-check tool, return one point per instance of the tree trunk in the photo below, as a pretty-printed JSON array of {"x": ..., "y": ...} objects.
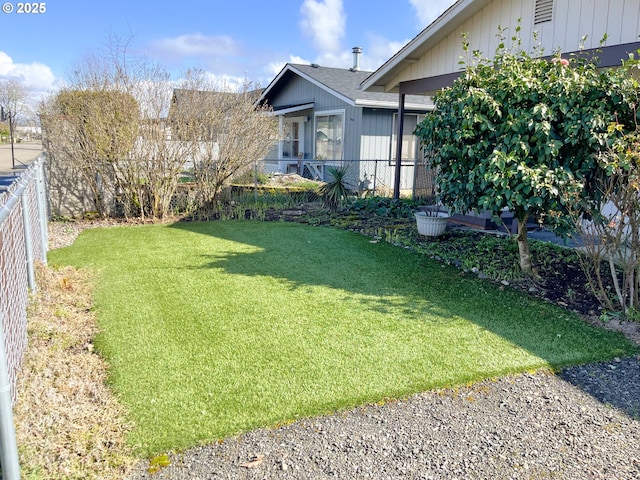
[{"x": 523, "y": 247}]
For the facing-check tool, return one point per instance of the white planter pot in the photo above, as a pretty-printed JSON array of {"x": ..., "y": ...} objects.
[{"x": 432, "y": 225}]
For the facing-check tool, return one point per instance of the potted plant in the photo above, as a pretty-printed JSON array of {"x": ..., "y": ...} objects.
[{"x": 432, "y": 220}]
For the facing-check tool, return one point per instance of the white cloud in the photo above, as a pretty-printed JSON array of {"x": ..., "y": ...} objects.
[
  {"x": 379, "y": 50},
  {"x": 194, "y": 45},
  {"x": 325, "y": 22},
  {"x": 36, "y": 77},
  {"x": 272, "y": 69},
  {"x": 375, "y": 52},
  {"x": 428, "y": 10},
  {"x": 220, "y": 55},
  {"x": 298, "y": 60}
]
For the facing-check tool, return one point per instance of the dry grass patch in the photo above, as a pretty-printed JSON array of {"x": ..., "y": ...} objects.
[{"x": 68, "y": 423}]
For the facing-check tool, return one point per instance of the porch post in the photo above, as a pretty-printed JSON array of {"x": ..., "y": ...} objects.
[
  {"x": 280, "y": 133},
  {"x": 396, "y": 182}
]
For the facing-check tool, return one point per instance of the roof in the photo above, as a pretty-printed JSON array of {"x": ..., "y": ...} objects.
[
  {"x": 344, "y": 84},
  {"x": 205, "y": 95},
  {"x": 387, "y": 77},
  {"x": 450, "y": 20}
]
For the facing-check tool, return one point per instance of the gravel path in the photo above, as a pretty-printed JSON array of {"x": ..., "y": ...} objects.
[{"x": 581, "y": 424}]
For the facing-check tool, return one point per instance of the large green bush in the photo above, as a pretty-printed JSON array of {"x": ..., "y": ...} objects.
[{"x": 522, "y": 132}]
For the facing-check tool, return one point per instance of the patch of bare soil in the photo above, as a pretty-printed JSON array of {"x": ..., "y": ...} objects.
[
  {"x": 291, "y": 179},
  {"x": 568, "y": 286}
]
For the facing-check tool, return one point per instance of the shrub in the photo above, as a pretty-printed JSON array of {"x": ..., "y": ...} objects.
[{"x": 335, "y": 191}]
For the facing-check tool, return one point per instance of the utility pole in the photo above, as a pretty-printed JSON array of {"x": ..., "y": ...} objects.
[
  {"x": 3, "y": 117},
  {"x": 13, "y": 156}
]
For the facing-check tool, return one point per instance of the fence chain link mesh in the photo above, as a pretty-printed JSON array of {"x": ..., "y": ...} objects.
[
  {"x": 14, "y": 274},
  {"x": 366, "y": 177}
]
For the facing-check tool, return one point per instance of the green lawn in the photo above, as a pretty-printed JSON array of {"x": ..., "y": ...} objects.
[{"x": 211, "y": 329}]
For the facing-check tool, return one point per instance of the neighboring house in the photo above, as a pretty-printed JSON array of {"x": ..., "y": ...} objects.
[
  {"x": 430, "y": 61},
  {"x": 327, "y": 120}
]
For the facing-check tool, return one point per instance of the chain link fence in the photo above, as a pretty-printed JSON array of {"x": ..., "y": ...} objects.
[
  {"x": 372, "y": 177},
  {"x": 23, "y": 241}
]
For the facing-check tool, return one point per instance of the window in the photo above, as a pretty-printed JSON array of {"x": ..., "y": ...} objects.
[
  {"x": 293, "y": 137},
  {"x": 410, "y": 144},
  {"x": 291, "y": 144},
  {"x": 329, "y": 136}
]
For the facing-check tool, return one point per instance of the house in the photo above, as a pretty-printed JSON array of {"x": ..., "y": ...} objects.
[
  {"x": 326, "y": 120},
  {"x": 430, "y": 61}
]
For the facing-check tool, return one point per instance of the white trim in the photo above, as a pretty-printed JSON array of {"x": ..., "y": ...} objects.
[
  {"x": 270, "y": 86},
  {"x": 394, "y": 105},
  {"x": 290, "y": 68},
  {"x": 280, "y": 130},
  {"x": 301, "y": 134},
  {"x": 330, "y": 112},
  {"x": 360, "y": 102},
  {"x": 297, "y": 108}
]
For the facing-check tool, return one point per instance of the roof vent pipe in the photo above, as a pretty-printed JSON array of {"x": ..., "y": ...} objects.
[{"x": 356, "y": 59}]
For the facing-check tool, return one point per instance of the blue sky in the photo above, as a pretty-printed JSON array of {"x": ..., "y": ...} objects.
[{"x": 230, "y": 40}]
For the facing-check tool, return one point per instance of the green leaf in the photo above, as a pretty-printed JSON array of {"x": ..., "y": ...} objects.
[{"x": 159, "y": 462}]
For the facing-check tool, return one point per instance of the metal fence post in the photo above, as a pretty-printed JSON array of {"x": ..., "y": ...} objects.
[
  {"x": 8, "y": 443},
  {"x": 28, "y": 247},
  {"x": 41, "y": 195}
]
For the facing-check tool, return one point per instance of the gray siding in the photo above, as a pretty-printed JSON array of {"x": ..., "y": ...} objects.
[
  {"x": 377, "y": 128},
  {"x": 298, "y": 90},
  {"x": 377, "y": 131},
  {"x": 367, "y": 135}
]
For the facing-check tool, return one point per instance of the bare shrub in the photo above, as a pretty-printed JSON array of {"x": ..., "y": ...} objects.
[
  {"x": 611, "y": 234},
  {"x": 131, "y": 133},
  {"x": 227, "y": 132}
]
